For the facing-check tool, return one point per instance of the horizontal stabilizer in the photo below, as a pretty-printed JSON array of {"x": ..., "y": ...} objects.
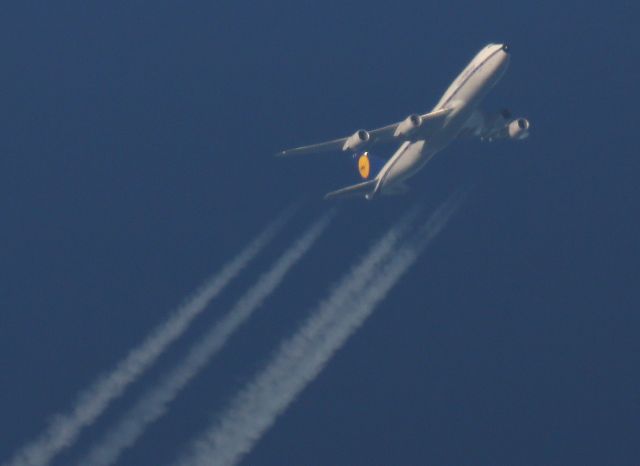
[{"x": 356, "y": 190}]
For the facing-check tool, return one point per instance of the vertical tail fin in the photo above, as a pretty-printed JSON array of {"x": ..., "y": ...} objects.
[{"x": 368, "y": 165}]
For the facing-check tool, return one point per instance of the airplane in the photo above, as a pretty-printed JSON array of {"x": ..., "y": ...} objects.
[{"x": 421, "y": 136}]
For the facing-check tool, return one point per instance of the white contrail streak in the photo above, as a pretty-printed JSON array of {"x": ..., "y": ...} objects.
[
  {"x": 153, "y": 404},
  {"x": 301, "y": 358},
  {"x": 64, "y": 429}
]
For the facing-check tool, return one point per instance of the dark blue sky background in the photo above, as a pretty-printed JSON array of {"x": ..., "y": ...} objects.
[{"x": 136, "y": 157}]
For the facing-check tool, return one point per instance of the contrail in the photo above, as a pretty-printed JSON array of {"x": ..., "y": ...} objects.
[
  {"x": 301, "y": 358},
  {"x": 153, "y": 404},
  {"x": 64, "y": 429}
]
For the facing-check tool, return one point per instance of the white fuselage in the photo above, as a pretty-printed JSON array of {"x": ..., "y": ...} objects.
[{"x": 463, "y": 96}]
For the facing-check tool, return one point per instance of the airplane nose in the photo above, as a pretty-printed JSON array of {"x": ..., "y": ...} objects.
[{"x": 506, "y": 48}]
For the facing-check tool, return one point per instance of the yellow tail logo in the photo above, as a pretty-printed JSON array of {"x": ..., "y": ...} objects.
[{"x": 364, "y": 165}]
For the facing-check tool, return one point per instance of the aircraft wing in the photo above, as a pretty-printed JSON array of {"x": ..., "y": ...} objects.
[
  {"x": 493, "y": 126},
  {"x": 485, "y": 125},
  {"x": 328, "y": 146},
  {"x": 385, "y": 134}
]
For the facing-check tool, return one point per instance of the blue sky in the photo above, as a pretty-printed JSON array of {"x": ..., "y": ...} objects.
[{"x": 137, "y": 157}]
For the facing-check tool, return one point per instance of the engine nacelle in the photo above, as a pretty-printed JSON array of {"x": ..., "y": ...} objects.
[
  {"x": 408, "y": 126},
  {"x": 357, "y": 140},
  {"x": 518, "y": 129}
]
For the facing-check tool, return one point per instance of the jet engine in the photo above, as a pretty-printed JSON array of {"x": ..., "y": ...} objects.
[
  {"x": 408, "y": 126},
  {"x": 357, "y": 140},
  {"x": 518, "y": 129}
]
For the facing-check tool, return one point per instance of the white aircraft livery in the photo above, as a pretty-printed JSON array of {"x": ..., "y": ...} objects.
[{"x": 420, "y": 137}]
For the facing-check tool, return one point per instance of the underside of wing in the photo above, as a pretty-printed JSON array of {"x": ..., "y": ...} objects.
[
  {"x": 329, "y": 146},
  {"x": 493, "y": 126},
  {"x": 410, "y": 127}
]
